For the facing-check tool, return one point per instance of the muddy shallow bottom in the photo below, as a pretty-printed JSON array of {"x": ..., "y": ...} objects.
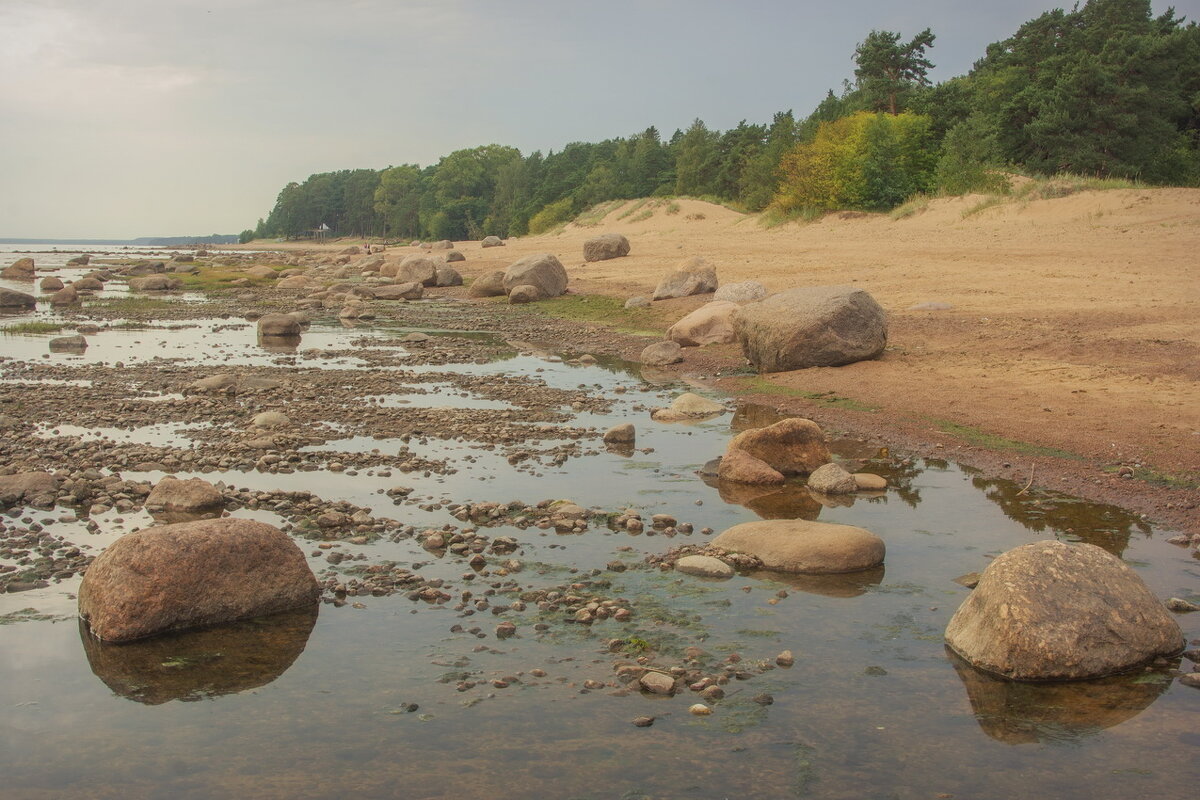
[{"x": 364, "y": 696}]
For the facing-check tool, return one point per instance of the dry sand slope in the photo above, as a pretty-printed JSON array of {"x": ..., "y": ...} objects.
[{"x": 1074, "y": 322}]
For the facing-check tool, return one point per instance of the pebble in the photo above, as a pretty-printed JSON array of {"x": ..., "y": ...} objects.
[
  {"x": 643, "y": 722},
  {"x": 700, "y": 710}
]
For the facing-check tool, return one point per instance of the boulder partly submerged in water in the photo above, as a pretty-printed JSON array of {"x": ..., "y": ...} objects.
[
  {"x": 688, "y": 406},
  {"x": 793, "y": 446},
  {"x": 797, "y": 545},
  {"x": 1050, "y": 611},
  {"x": 14, "y": 299},
  {"x": 192, "y": 574}
]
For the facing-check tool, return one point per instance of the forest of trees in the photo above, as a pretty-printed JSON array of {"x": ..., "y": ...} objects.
[{"x": 1106, "y": 90}]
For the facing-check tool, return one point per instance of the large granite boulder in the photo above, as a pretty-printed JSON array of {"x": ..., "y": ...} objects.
[
  {"x": 660, "y": 354},
  {"x": 39, "y": 489},
  {"x": 13, "y": 299},
  {"x": 174, "y": 577},
  {"x": 50, "y": 283},
  {"x": 155, "y": 283},
  {"x": 741, "y": 467},
  {"x": 524, "y": 293},
  {"x": 492, "y": 241},
  {"x": 66, "y": 296},
  {"x": 542, "y": 270},
  {"x": 489, "y": 285},
  {"x": 68, "y": 344},
  {"x": 791, "y": 446},
  {"x": 816, "y": 326},
  {"x": 261, "y": 273},
  {"x": 691, "y": 276},
  {"x": 421, "y": 269},
  {"x": 278, "y": 325},
  {"x": 448, "y": 276},
  {"x": 192, "y": 496},
  {"x": 411, "y": 290},
  {"x": 368, "y": 264},
  {"x": 832, "y": 479},
  {"x": 1055, "y": 611},
  {"x": 20, "y": 270},
  {"x": 605, "y": 246},
  {"x": 711, "y": 323},
  {"x": 88, "y": 283},
  {"x": 688, "y": 406},
  {"x": 797, "y": 545}
]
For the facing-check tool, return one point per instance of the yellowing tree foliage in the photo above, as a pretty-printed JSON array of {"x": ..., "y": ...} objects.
[{"x": 866, "y": 161}]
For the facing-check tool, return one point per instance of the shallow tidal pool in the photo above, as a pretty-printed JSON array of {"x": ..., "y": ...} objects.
[{"x": 364, "y": 697}]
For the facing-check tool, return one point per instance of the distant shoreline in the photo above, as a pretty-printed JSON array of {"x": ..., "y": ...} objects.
[{"x": 142, "y": 241}]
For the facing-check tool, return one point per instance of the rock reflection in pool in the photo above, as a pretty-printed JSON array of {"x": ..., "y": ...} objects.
[
  {"x": 1022, "y": 713},
  {"x": 279, "y": 344},
  {"x": 790, "y": 501},
  {"x": 195, "y": 665},
  {"x": 843, "y": 584}
]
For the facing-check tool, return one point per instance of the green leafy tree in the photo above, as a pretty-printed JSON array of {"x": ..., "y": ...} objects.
[
  {"x": 1107, "y": 89},
  {"x": 697, "y": 160},
  {"x": 397, "y": 200},
  {"x": 865, "y": 161},
  {"x": 888, "y": 68}
]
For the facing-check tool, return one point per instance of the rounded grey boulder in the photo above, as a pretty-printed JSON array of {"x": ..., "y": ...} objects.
[
  {"x": 12, "y": 299},
  {"x": 278, "y": 325},
  {"x": 524, "y": 294},
  {"x": 489, "y": 285},
  {"x": 691, "y": 276},
  {"x": 542, "y": 270},
  {"x": 175, "y": 577},
  {"x": 797, "y": 545},
  {"x": 816, "y": 326},
  {"x": 421, "y": 269},
  {"x": 1051, "y": 611},
  {"x": 660, "y": 354},
  {"x": 605, "y": 246}
]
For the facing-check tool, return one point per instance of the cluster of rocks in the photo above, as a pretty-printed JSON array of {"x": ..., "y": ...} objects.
[
  {"x": 697, "y": 559},
  {"x": 698, "y": 673},
  {"x": 816, "y": 326},
  {"x": 534, "y": 277},
  {"x": 38, "y": 556}
]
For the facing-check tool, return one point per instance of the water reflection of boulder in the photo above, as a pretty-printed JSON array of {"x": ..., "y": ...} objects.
[
  {"x": 624, "y": 449},
  {"x": 769, "y": 502},
  {"x": 279, "y": 344},
  {"x": 1103, "y": 525},
  {"x": 195, "y": 665},
  {"x": 755, "y": 415},
  {"x": 1020, "y": 713},
  {"x": 843, "y": 584}
]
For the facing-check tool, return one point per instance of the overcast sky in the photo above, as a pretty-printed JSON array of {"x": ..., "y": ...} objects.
[{"x": 123, "y": 118}]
